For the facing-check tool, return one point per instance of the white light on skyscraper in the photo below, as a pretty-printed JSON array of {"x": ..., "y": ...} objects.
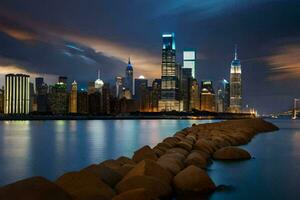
[{"x": 189, "y": 61}]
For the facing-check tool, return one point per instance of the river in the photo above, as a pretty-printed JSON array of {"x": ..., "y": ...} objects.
[{"x": 51, "y": 148}]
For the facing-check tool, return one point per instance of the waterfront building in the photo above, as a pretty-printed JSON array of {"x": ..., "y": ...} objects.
[
  {"x": 91, "y": 87},
  {"x": 17, "y": 94},
  {"x": 141, "y": 93},
  {"x": 185, "y": 88},
  {"x": 58, "y": 99},
  {"x": 155, "y": 94},
  {"x": 220, "y": 101},
  {"x": 194, "y": 97},
  {"x": 73, "y": 98},
  {"x": 125, "y": 93},
  {"x": 106, "y": 95},
  {"x": 39, "y": 82},
  {"x": 223, "y": 96},
  {"x": 169, "y": 76},
  {"x": 129, "y": 77},
  {"x": 189, "y": 61},
  {"x": 119, "y": 85},
  {"x": 33, "y": 100},
  {"x": 95, "y": 103},
  {"x": 82, "y": 102},
  {"x": 2, "y": 100},
  {"x": 207, "y": 96},
  {"x": 235, "y": 85}
]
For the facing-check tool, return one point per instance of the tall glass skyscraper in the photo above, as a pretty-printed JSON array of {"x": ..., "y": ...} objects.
[
  {"x": 17, "y": 94},
  {"x": 189, "y": 60},
  {"x": 169, "y": 75},
  {"x": 235, "y": 85}
]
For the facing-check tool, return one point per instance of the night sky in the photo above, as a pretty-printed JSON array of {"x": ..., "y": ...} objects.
[{"x": 76, "y": 38}]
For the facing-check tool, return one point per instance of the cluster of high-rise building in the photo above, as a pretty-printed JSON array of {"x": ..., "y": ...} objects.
[{"x": 176, "y": 90}]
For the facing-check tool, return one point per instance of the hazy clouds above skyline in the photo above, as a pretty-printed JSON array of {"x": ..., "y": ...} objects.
[{"x": 77, "y": 37}]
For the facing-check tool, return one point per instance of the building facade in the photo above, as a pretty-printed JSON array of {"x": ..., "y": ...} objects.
[
  {"x": 73, "y": 98},
  {"x": 235, "y": 85},
  {"x": 189, "y": 61},
  {"x": 17, "y": 94},
  {"x": 169, "y": 76},
  {"x": 207, "y": 97}
]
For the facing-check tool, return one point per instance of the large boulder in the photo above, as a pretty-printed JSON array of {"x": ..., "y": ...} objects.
[
  {"x": 136, "y": 194},
  {"x": 196, "y": 159},
  {"x": 154, "y": 186},
  {"x": 172, "y": 165},
  {"x": 84, "y": 185},
  {"x": 192, "y": 181},
  {"x": 109, "y": 175},
  {"x": 125, "y": 160},
  {"x": 150, "y": 168},
  {"x": 144, "y": 153},
  {"x": 231, "y": 153},
  {"x": 34, "y": 188}
]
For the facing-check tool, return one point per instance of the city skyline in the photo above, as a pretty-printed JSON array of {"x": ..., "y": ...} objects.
[{"x": 75, "y": 41}]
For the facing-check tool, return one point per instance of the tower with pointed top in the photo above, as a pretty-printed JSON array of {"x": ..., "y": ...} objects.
[
  {"x": 129, "y": 77},
  {"x": 235, "y": 84}
]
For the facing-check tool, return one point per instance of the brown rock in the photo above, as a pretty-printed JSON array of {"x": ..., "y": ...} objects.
[
  {"x": 84, "y": 186},
  {"x": 193, "y": 180},
  {"x": 125, "y": 160},
  {"x": 171, "y": 165},
  {"x": 155, "y": 187},
  {"x": 150, "y": 168},
  {"x": 136, "y": 194},
  {"x": 178, "y": 150},
  {"x": 34, "y": 188},
  {"x": 231, "y": 153},
  {"x": 109, "y": 175},
  {"x": 196, "y": 159},
  {"x": 144, "y": 153}
]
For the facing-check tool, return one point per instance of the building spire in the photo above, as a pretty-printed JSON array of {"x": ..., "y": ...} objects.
[
  {"x": 98, "y": 73},
  {"x": 235, "y": 52},
  {"x": 129, "y": 60}
]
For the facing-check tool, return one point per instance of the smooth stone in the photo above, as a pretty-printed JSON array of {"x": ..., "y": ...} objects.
[
  {"x": 196, "y": 159},
  {"x": 150, "y": 168},
  {"x": 135, "y": 194},
  {"x": 35, "y": 188},
  {"x": 144, "y": 153},
  {"x": 155, "y": 187},
  {"x": 231, "y": 153},
  {"x": 85, "y": 186},
  {"x": 125, "y": 160},
  {"x": 193, "y": 180}
]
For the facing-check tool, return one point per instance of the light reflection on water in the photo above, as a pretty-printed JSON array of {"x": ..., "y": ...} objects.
[{"x": 50, "y": 148}]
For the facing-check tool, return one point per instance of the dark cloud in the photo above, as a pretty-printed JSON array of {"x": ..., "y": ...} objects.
[{"x": 77, "y": 37}]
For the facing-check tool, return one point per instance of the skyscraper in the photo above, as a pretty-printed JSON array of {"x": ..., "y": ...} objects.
[
  {"x": 17, "y": 94},
  {"x": 129, "y": 77},
  {"x": 189, "y": 61},
  {"x": 194, "y": 97},
  {"x": 185, "y": 86},
  {"x": 39, "y": 81},
  {"x": 235, "y": 85},
  {"x": 73, "y": 98},
  {"x": 207, "y": 101},
  {"x": 169, "y": 75},
  {"x": 119, "y": 86}
]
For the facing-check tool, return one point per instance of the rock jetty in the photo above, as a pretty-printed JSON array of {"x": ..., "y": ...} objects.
[{"x": 174, "y": 168}]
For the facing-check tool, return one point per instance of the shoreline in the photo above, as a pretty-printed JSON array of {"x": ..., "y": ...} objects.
[
  {"x": 141, "y": 116},
  {"x": 158, "y": 172}
]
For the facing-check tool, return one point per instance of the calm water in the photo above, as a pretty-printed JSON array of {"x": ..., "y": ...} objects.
[{"x": 50, "y": 148}]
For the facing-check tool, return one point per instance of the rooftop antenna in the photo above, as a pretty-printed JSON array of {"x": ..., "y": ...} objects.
[
  {"x": 98, "y": 73},
  {"x": 235, "y": 52},
  {"x": 129, "y": 60}
]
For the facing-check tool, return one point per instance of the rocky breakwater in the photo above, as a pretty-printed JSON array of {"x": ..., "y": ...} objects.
[{"x": 173, "y": 168}]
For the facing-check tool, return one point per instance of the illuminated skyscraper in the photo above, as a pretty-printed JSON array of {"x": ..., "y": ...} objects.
[
  {"x": 129, "y": 77},
  {"x": 169, "y": 75},
  {"x": 73, "y": 98},
  {"x": 17, "y": 94},
  {"x": 119, "y": 85},
  {"x": 235, "y": 85},
  {"x": 189, "y": 61},
  {"x": 207, "y": 96}
]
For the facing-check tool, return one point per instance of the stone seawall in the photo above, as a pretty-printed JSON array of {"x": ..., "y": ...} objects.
[{"x": 173, "y": 168}]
